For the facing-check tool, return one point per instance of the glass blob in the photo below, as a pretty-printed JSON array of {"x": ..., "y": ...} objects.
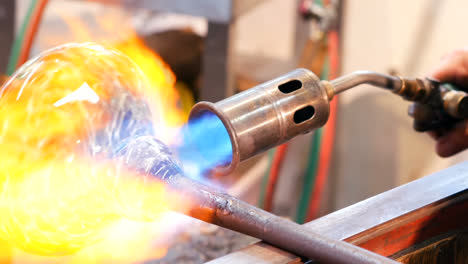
[
  {"x": 66, "y": 116},
  {"x": 150, "y": 158}
]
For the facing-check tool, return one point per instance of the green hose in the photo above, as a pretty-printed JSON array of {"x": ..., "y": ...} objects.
[
  {"x": 16, "y": 48},
  {"x": 266, "y": 177},
  {"x": 309, "y": 177},
  {"x": 312, "y": 164}
]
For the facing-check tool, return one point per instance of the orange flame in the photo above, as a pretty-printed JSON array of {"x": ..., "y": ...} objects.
[
  {"x": 122, "y": 37},
  {"x": 54, "y": 200}
]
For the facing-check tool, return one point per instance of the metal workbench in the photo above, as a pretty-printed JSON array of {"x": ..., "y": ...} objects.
[{"x": 386, "y": 223}]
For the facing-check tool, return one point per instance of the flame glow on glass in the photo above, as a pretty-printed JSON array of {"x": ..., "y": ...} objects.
[{"x": 64, "y": 116}]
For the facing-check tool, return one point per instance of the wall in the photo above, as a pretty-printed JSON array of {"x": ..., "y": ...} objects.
[{"x": 376, "y": 148}]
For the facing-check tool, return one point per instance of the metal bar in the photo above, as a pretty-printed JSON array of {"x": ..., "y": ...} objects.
[
  {"x": 226, "y": 211},
  {"x": 7, "y": 31},
  {"x": 421, "y": 196}
]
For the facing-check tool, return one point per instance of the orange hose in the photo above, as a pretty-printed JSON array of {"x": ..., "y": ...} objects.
[
  {"x": 328, "y": 137},
  {"x": 277, "y": 163},
  {"x": 31, "y": 32}
]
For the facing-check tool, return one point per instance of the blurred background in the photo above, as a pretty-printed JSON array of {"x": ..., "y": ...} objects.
[{"x": 220, "y": 47}]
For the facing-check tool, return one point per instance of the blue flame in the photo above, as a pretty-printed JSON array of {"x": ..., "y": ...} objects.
[{"x": 204, "y": 145}]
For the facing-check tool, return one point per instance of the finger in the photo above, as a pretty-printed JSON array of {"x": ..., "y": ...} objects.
[
  {"x": 453, "y": 141},
  {"x": 434, "y": 134},
  {"x": 453, "y": 68},
  {"x": 446, "y": 70},
  {"x": 437, "y": 133}
]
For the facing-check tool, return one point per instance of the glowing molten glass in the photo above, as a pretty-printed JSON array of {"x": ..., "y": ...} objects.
[{"x": 64, "y": 116}]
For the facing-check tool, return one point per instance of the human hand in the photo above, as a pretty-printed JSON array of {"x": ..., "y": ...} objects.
[{"x": 452, "y": 69}]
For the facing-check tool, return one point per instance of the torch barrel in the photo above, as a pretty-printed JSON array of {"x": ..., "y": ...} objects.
[{"x": 269, "y": 114}]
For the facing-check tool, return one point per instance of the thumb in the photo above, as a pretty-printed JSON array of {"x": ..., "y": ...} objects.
[{"x": 454, "y": 141}]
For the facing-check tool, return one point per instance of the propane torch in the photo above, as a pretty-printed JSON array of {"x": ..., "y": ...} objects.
[{"x": 298, "y": 102}]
